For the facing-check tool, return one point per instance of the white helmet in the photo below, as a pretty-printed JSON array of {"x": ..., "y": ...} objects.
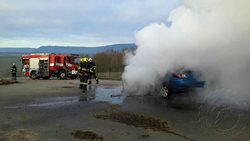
[{"x": 90, "y": 59}]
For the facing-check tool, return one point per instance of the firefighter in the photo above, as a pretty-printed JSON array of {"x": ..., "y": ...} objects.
[
  {"x": 92, "y": 66},
  {"x": 84, "y": 72},
  {"x": 13, "y": 71}
]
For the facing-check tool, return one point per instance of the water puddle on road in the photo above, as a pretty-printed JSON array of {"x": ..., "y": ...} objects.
[
  {"x": 52, "y": 102},
  {"x": 113, "y": 95},
  {"x": 55, "y": 101}
]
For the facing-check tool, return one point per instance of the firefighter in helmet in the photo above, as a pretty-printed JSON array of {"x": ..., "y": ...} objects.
[
  {"x": 13, "y": 71},
  {"x": 84, "y": 72},
  {"x": 92, "y": 66}
]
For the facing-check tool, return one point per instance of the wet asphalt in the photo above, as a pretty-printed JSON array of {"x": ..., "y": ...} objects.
[{"x": 52, "y": 110}]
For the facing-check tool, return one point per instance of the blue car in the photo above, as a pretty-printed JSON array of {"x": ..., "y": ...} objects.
[{"x": 180, "y": 82}]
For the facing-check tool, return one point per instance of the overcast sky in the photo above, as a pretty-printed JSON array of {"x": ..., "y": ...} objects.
[{"x": 32, "y": 23}]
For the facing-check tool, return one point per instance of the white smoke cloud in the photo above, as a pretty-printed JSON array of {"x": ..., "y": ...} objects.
[{"x": 211, "y": 36}]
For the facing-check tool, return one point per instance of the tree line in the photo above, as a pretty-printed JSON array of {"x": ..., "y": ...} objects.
[{"x": 109, "y": 61}]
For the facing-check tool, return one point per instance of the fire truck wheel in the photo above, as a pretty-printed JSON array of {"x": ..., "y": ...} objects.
[
  {"x": 62, "y": 74},
  {"x": 33, "y": 75}
]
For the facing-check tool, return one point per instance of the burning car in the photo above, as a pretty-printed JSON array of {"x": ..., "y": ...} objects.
[{"x": 180, "y": 82}]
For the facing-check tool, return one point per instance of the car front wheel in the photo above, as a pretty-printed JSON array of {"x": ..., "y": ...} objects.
[{"x": 164, "y": 92}]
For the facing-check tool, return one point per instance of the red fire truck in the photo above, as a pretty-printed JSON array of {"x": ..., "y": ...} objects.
[{"x": 45, "y": 65}]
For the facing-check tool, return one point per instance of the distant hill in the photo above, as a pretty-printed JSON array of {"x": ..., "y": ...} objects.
[
  {"x": 16, "y": 50},
  {"x": 67, "y": 49}
]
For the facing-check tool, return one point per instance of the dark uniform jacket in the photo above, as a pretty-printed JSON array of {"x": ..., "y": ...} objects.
[
  {"x": 13, "y": 69},
  {"x": 92, "y": 66},
  {"x": 84, "y": 67}
]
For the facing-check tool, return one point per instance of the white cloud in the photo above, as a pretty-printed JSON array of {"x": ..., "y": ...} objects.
[
  {"x": 55, "y": 20},
  {"x": 6, "y": 7},
  {"x": 146, "y": 10}
]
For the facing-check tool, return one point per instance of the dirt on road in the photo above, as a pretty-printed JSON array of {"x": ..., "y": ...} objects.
[
  {"x": 57, "y": 110},
  {"x": 7, "y": 82}
]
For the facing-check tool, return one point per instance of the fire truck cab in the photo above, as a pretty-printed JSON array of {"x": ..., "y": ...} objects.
[{"x": 45, "y": 65}]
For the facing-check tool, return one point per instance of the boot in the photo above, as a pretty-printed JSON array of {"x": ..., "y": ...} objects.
[
  {"x": 81, "y": 86},
  {"x": 90, "y": 88},
  {"x": 84, "y": 88}
]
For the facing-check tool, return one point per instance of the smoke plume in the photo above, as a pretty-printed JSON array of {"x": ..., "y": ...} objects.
[{"x": 210, "y": 36}]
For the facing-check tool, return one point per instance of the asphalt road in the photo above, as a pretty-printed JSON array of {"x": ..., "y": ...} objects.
[{"x": 56, "y": 110}]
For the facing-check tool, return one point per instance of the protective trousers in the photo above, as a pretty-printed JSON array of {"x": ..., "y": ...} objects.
[
  {"x": 13, "y": 76},
  {"x": 93, "y": 75},
  {"x": 84, "y": 82}
]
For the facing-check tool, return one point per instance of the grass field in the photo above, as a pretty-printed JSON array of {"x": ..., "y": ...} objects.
[{"x": 6, "y": 63}]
